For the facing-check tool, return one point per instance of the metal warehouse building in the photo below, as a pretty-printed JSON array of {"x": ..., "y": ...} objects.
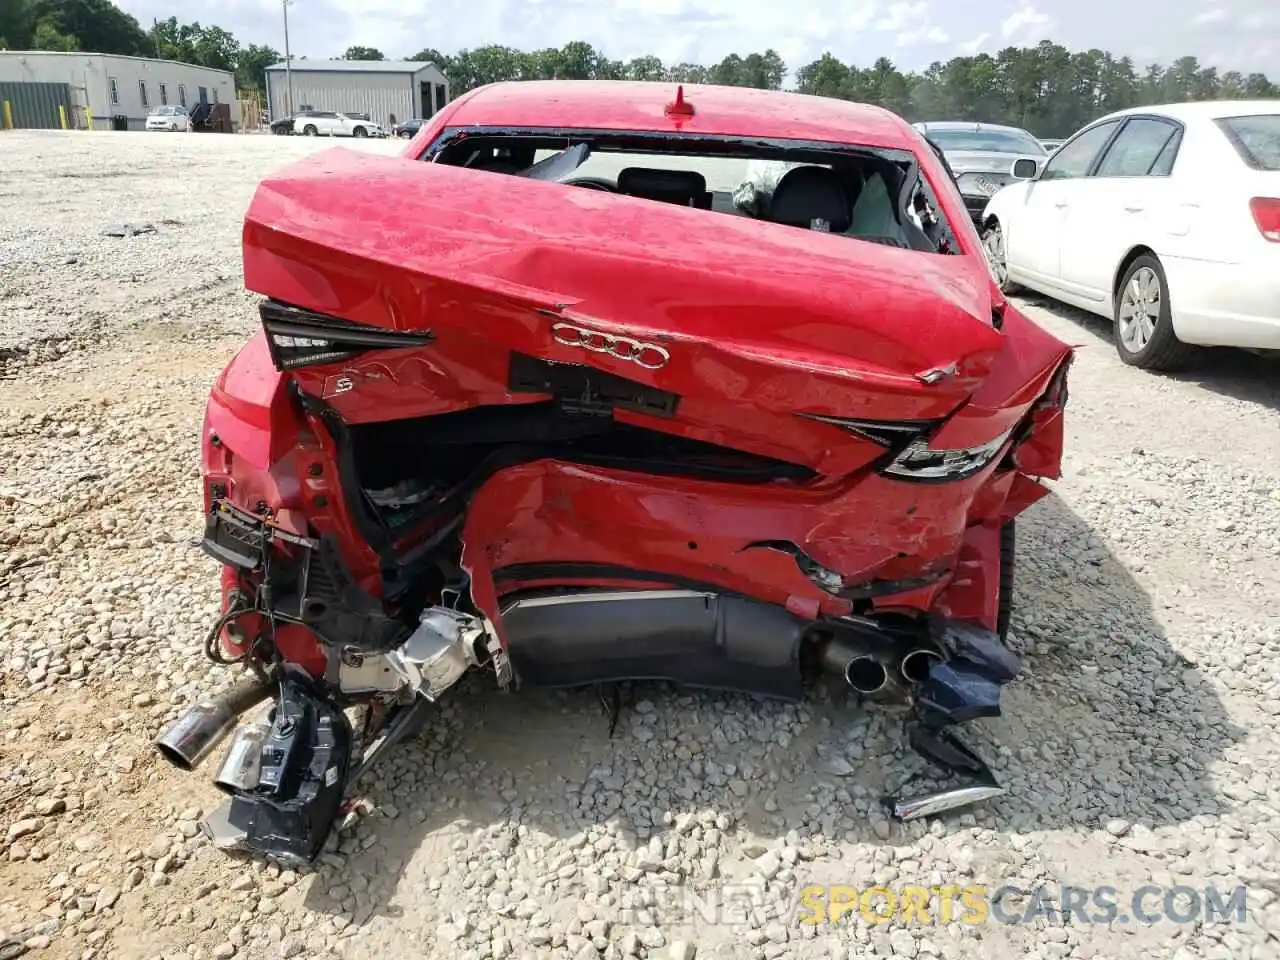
[
  {"x": 384, "y": 89},
  {"x": 102, "y": 86}
]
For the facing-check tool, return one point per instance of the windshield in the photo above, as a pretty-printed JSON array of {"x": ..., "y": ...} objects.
[
  {"x": 864, "y": 193},
  {"x": 987, "y": 141},
  {"x": 1256, "y": 139}
]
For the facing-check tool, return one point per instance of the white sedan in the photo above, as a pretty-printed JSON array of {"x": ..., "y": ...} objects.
[
  {"x": 328, "y": 123},
  {"x": 1165, "y": 220},
  {"x": 172, "y": 118}
]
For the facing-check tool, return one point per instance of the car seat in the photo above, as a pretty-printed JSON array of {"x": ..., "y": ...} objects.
[{"x": 811, "y": 197}]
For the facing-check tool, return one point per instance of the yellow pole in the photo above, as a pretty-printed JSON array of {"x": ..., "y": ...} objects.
[
  {"x": 62, "y": 116},
  {"x": 8, "y": 116},
  {"x": 88, "y": 118}
]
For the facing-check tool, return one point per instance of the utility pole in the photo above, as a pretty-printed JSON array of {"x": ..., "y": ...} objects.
[{"x": 288, "y": 71}]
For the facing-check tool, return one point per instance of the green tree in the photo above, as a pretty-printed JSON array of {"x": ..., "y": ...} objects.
[
  {"x": 16, "y": 24},
  {"x": 47, "y": 37},
  {"x": 645, "y": 68},
  {"x": 98, "y": 26},
  {"x": 216, "y": 48},
  {"x": 1046, "y": 88},
  {"x": 688, "y": 73},
  {"x": 172, "y": 40},
  {"x": 363, "y": 53},
  {"x": 251, "y": 66}
]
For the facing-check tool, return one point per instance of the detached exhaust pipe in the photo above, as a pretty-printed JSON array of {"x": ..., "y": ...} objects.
[{"x": 194, "y": 734}]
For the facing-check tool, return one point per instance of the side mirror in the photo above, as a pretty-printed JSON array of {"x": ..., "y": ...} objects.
[{"x": 1024, "y": 169}]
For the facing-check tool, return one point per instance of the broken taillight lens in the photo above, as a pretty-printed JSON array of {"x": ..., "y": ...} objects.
[
  {"x": 921, "y": 462},
  {"x": 1266, "y": 214}
]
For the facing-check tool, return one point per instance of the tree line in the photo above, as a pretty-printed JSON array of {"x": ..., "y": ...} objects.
[{"x": 1046, "y": 88}]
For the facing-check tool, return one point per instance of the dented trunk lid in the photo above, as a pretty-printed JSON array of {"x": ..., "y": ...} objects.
[{"x": 725, "y": 312}]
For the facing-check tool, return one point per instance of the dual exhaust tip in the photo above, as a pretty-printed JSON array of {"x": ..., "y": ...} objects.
[
  {"x": 870, "y": 675},
  {"x": 195, "y": 734}
]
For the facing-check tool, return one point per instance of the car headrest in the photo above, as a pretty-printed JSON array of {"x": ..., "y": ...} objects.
[
  {"x": 688, "y": 188},
  {"x": 809, "y": 193}
]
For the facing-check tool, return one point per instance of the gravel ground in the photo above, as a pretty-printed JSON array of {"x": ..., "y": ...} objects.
[{"x": 1139, "y": 746}]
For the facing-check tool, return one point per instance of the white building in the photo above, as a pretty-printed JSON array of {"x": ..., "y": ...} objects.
[
  {"x": 383, "y": 89},
  {"x": 106, "y": 86}
]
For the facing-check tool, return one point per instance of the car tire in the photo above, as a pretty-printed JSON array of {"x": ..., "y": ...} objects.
[
  {"x": 359, "y": 132},
  {"x": 309, "y": 131},
  {"x": 1143, "y": 321},
  {"x": 1008, "y": 557},
  {"x": 993, "y": 248}
]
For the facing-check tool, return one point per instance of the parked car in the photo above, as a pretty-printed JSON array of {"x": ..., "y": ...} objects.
[
  {"x": 409, "y": 129},
  {"x": 284, "y": 127},
  {"x": 328, "y": 123},
  {"x": 981, "y": 156},
  {"x": 587, "y": 404},
  {"x": 1164, "y": 219},
  {"x": 169, "y": 117}
]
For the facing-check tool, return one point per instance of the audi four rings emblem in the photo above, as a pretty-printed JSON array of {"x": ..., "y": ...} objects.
[{"x": 647, "y": 355}]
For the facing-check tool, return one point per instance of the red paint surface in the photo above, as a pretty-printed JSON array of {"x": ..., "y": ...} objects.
[{"x": 761, "y": 322}]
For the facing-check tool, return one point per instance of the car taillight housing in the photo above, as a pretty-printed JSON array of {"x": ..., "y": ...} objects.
[{"x": 1266, "y": 214}]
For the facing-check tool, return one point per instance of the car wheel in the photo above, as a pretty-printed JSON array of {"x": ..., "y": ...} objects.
[
  {"x": 1008, "y": 553},
  {"x": 309, "y": 131},
  {"x": 359, "y": 132},
  {"x": 1143, "y": 319},
  {"x": 993, "y": 245}
]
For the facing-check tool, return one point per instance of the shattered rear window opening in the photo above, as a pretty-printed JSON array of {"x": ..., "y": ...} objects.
[{"x": 865, "y": 193}]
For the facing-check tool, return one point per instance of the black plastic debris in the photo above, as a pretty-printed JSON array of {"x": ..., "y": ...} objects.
[
  {"x": 304, "y": 760},
  {"x": 129, "y": 229},
  {"x": 964, "y": 687}
]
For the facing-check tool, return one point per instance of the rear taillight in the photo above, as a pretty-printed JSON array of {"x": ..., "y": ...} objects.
[{"x": 1266, "y": 214}]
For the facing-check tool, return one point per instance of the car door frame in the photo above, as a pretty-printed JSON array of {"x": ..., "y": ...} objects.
[
  {"x": 1118, "y": 212},
  {"x": 1040, "y": 196}
]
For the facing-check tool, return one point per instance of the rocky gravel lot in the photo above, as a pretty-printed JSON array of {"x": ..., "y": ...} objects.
[{"x": 1139, "y": 746}]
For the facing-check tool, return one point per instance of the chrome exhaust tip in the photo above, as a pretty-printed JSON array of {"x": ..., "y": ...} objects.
[
  {"x": 194, "y": 734},
  {"x": 915, "y": 666},
  {"x": 866, "y": 675},
  {"x": 931, "y": 803},
  {"x": 242, "y": 766}
]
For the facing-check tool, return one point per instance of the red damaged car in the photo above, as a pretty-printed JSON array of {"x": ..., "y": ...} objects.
[{"x": 611, "y": 381}]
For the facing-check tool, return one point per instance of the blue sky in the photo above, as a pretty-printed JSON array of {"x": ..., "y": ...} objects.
[{"x": 1231, "y": 34}]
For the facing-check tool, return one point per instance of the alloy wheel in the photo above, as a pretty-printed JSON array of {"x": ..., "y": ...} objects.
[
  {"x": 993, "y": 247},
  {"x": 1139, "y": 309}
]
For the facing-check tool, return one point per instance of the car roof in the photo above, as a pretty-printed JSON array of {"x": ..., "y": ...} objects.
[
  {"x": 639, "y": 107},
  {"x": 973, "y": 126},
  {"x": 1203, "y": 110}
]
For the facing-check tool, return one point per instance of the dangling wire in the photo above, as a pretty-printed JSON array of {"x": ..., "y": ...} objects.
[{"x": 212, "y": 644}]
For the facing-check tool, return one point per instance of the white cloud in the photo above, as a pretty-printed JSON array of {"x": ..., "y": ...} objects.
[
  {"x": 912, "y": 24},
  {"x": 900, "y": 15},
  {"x": 1028, "y": 23},
  {"x": 1212, "y": 15},
  {"x": 971, "y": 46},
  {"x": 921, "y": 36}
]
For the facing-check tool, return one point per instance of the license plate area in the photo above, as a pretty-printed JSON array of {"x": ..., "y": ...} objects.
[
  {"x": 986, "y": 187},
  {"x": 233, "y": 537}
]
